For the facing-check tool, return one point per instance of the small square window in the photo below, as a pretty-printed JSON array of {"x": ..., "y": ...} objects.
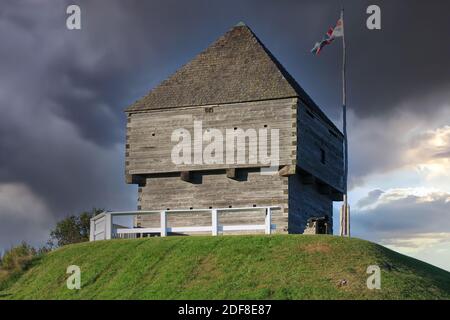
[{"x": 322, "y": 156}]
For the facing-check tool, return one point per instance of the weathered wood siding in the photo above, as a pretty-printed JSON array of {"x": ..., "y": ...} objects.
[
  {"x": 149, "y": 145},
  {"x": 214, "y": 189},
  {"x": 305, "y": 201},
  {"x": 304, "y": 139},
  {"x": 314, "y": 135}
]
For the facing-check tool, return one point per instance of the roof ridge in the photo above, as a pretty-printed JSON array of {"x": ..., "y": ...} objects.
[
  {"x": 293, "y": 82},
  {"x": 236, "y": 67}
]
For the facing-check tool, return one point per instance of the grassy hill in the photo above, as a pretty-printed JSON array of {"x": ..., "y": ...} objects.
[{"x": 229, "y": 267}]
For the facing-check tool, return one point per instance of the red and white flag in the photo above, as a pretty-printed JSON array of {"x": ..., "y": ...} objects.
[{"x": 332, "y": 33}]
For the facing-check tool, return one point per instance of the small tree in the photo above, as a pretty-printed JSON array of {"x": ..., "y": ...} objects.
[
  {"x": 17, "y": 258},
  {"x": 73, "y": 229}
]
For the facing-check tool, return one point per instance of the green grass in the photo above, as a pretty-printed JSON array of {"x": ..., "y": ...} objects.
[{"x": 229, "y": 267}]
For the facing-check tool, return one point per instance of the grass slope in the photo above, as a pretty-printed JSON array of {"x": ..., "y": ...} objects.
[{"x": 229, "y": 267}]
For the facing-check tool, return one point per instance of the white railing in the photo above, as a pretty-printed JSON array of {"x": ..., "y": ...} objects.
[{"x": 102, "y": 226}]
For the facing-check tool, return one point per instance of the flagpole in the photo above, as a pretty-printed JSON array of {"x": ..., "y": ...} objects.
[{"x": 345, "y": 214}]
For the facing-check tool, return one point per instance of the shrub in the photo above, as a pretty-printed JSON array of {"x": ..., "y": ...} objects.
[
  {"x": 73, "y": 229},
  {"x": 17, "y": 258}
]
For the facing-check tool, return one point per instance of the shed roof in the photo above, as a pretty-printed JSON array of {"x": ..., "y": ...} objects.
[{"x": 237, "y": 67}]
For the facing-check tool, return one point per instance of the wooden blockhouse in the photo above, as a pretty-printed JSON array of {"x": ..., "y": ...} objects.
[{"x": 235, "y": 83}]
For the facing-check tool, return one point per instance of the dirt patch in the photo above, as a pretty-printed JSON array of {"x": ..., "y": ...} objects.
[{"x": 317, "y": 247}]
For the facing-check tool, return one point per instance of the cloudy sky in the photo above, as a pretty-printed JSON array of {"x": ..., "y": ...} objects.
[{"x": 62, "y": 96}]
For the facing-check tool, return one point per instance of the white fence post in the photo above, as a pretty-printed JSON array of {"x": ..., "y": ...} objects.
[
  {"x": 215, "y": 227},
  {"x": 163, "y": 224},
  {"x": 92, "y": 230},
  {"x": 102, "y": 227},
  {"x": 268, "y": 220},
  {"x": 108, "y": 226}
]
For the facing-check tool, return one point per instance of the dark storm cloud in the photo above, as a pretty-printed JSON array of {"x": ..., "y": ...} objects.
[
  {"x": 405, "y": 140},
  {"x": 371, "y": 198},
  {"x": 29, "y": 218},
  {"x": 404, "y": 61},
  {"x": 62, "y": 93},
  {"x": 402, "y": 213}
]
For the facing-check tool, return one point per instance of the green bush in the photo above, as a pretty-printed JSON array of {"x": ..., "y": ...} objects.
[
  {"x": 14, "y": 262},
  {"x": 17, "y": 258},
  {"x": 73, "y": 229}
]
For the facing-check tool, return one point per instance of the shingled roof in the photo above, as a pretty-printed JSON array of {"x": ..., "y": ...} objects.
[{"x": 237, "y": 67}]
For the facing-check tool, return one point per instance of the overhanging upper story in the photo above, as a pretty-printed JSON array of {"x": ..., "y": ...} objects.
[{"x": 236, "y": 83}]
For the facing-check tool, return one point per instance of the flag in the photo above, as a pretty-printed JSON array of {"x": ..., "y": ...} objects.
[
  {"x": 332, "y": 33},
  {"x": 338, "y": 30}
]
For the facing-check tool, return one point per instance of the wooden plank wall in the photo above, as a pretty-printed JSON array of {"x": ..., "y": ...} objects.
[
  {"x": 214, "y": 189},
  {"x": 302, "y": 137},
  {"x": 149, "y": 146},
  {"x": 314, "y": 134},
  {"x": 305, "y": 201}
]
